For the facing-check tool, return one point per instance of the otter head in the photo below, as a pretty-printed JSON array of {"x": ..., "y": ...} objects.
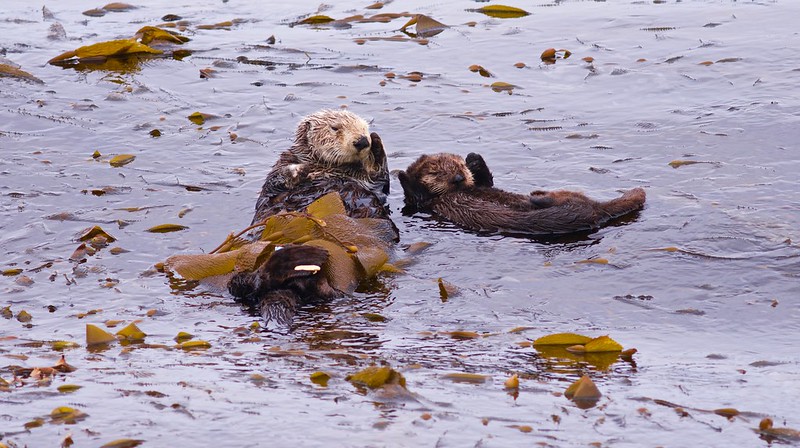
[
  {"x": 334, "y": 138},
  {"x": 431, "y": 176}
]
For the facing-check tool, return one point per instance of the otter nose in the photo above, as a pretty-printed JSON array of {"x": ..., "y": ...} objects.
[
  {"x": 458, "y": 178},
  {"x": 361, "y": 143}
]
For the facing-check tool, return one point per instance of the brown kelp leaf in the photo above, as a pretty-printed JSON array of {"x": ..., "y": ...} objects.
[
  {"x": 250, "y": 256},
  {"x": 550, "y": 53},
  {"x": 602, "y": 344},
  {"x": 472, "y": 378},
  {"x": 166, "y": 228},
  {"x": 500, "y": 86},
  {"x": 106, "y": 50},
  {"x": 480, "y": 70},
  {"x": 149, "y": 34},
  {"x": 371, "y": 259},
  {"x": 94, "y": 12},
  {"x": 501, "y": 11},
  {"x": 583, "y": 390},
  {"x": 768, "y": 431},
  {"x": 119, "y": 7},
  {"x": 340, "y": 268},
  {"x": 679, "y": 163},
  {"x": 131, "y": 332},
  {"x": 9, "y": 71},
  {"x": 329, "y": 204},
  {"x": 63, "y": 345},
  {"x": 461, "y": 335},
  {"x": 375, "y": 377},
  {"x": 183, "y": 337},
  {"x": 320, "y": 378},
  {"x": 24, "y": 316},
  {"x": 226, "y": 25},
  {"x": 96, "y": 335},
  {"x": 121, "y": 160},
  {"x": 424, "y": 26},
  {"x": 200, "y": 266},
  {"x": 123, "y": 443},
  {"x": 562, "y": 339},
  {"x": 315, "y": 20},
  {"x": 727, "y": 412},
  {"x": 12, "y": 272}
]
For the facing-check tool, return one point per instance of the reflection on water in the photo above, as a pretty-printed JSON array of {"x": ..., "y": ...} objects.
[{"x": 702, "y": 281}]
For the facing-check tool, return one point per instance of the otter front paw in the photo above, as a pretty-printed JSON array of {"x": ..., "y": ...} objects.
[
  {"x": 381, "y": 165},
  {"x": 480, "y": 172},
  {"x": 542, "y": 199}
]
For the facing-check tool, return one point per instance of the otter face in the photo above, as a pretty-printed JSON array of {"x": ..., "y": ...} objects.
[
  {"x": 434, "y": 175},
  {"x": 335, "y": 138}
]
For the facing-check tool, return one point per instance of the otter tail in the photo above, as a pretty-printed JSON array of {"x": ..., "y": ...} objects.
[{"x": 629, "y": 202}]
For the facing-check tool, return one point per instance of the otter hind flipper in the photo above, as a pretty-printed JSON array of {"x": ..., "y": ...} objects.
[{"x": 630, "y": 201}]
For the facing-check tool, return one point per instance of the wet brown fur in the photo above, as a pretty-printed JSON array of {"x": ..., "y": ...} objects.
[{"x": 463, "y": 192}]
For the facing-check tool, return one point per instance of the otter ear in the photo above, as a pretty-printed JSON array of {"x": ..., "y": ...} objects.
[{"x": 301, "y": 135}]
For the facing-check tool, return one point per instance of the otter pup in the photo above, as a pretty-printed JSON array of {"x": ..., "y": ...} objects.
[
  {"x": 333, "y": 150},
  {"x": 463, "y": 192}
]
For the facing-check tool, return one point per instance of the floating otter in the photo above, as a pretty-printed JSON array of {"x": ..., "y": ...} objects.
[
  {"x": 333, "y": 151},
  {"x": 463, "y": 192}
]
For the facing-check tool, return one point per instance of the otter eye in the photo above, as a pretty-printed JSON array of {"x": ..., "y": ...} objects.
[{"x": 334, "y": 127}]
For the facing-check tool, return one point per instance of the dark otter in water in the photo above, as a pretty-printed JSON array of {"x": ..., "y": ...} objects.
[
  {"x": 463, "y": 192},
  {"x": 333, "y": 150}
]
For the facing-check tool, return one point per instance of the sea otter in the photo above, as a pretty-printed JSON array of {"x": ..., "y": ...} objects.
[
  {"x": 463, "y": 192},
  {"x": 333, "y": 151}
]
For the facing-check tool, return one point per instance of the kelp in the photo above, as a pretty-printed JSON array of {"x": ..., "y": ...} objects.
[{"x": 357, "y": 248}]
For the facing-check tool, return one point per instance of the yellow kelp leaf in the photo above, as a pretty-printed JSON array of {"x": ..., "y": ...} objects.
[
  {"x": 183, "y": 337},
  {"x": 96, "y": 335},
  {"x": 425, "y": 26},
  {"x": 106, "y": 49},
  {"x": 24, "y": 316},
  {"x": 329, "y": 204},
  {"x": 195, "y": 345},
  {"x": 66, "y": 415},
  {"x": 131, "y": 332},
  {"x": 340, "y": 268},
  {"x": 562, "y": 339},
  {"x": 148, "y": 34},
  {"x": 374, "y": 377},
  {"x": 480, "y": 70},
  {"x": 583, "y": 390},
  {"x": 119, "y": 7},
  {"x": 91, "y": 232},
  {"x": 788, "y": 435},
  {"x": 199, "y": 118},
  {"x": 512, "y": 382},
  {"x": 123, "y": 443},
  {"x": 593, "y": 261},
  {"x": 12, "y": 272},
  {"x": 320, "y": 378},
  {"x": 63, "y": 345},
  {"x": 226, "y": 25},
  {"x": 68, "y": 388},
  {"x": 121, "y": 160},
  {"x": 315, "y": 20},
  {"x": 501, "y": 11},
  {"x": 200, "y": 266},
  {"x": 165, "y": 228},
  {"x": 602, "y": 344},
  {"x": 9, "y": 71},
  {"x": 287, "y": 228},
  {"x": 473, "y": 378}
]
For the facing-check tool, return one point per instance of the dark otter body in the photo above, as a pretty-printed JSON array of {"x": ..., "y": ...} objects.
[
  {"x": 332, "y": 151},
  {"x": 462, "y": 192}
]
